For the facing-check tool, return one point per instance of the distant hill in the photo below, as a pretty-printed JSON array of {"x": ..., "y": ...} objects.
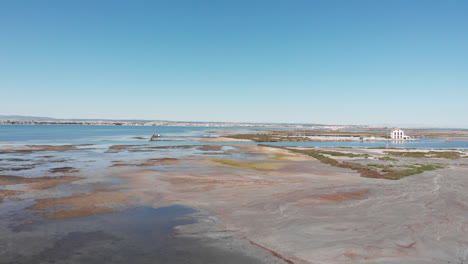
[{"x": 18, "y": 117}]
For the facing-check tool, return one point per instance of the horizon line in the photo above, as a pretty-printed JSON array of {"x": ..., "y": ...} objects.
[{"x": 41, "y": 118}]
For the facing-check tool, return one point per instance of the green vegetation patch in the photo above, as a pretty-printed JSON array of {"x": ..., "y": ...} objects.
[
  {"x": 429, "y": 154},
  {"x": 369, "y": 170},
  {"x": 390, "y": 173},
  {"x": 445, "y": 154},
  {"x": 407, "y": 154},
  {"x": 249, "y": 165},
  {"x": 398, "y": 174},
  {"x": 317, "y": 155},
  {"x": 278, "y": 157},
  {"x": 344, "y": 154},
  {"x": 321, "y": 154},
  {"x": 269, "y": 137},
  {"x": 388, "y": 159},
  {"x": 381, "y": 166}
]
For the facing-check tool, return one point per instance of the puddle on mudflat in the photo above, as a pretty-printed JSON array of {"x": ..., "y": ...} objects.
[
  {"x": 141, "y": 235},
  {"x": 115, "y": 181}
]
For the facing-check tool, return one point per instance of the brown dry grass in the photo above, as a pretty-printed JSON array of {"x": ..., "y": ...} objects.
[
  {"x": 63, "y": 169},
  {"x": 277, "y": 137},
  {"x": 7, "y": 193},
  {"x": 80, "y": 205},
  {"x": 51, "y": 148},
  {"x": 340, "y": 197},
  {"x": 210, "y": 147},
  {"x": 119, "y": 147},
  {"x": 428, "y": 154},
  {"x": 37, "y": 148},
  {"x": 36, "y": 184},
  {"x": 148, "y": 162},
  {"x": 249, "y": 165}
]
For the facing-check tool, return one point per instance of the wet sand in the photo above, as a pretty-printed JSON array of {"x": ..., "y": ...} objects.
[
  {"x": 141, "y": 235},
  {"x": 33, "y": 184},
  {"x": 146, "y": 204}
]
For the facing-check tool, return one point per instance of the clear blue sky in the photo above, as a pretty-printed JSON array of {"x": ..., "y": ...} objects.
[{"x": 338, "y": 62}]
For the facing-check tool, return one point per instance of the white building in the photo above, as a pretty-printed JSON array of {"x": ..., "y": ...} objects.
[{"x": 398, "y": 134}]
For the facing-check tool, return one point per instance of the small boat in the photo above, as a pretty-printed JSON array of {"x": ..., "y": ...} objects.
[{"x": 155, "y": 137}]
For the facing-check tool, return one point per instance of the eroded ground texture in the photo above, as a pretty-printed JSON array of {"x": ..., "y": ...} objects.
[{"x": 228, "y": 204}]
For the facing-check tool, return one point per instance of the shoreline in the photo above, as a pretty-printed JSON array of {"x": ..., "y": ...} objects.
[{"x": 16, "y": 147}]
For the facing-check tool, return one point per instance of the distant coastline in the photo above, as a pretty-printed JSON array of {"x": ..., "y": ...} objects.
[
  {"x": 36, "y": 120},
  {"x": 153, "y": 123}
]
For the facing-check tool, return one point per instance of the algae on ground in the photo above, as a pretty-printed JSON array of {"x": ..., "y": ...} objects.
[
  {"x": 369, "y": 170},
  {"x": 387, "y": 158},
  {"x": 429, "y": 154},
  {"x": 279, "y": 157},
  {"x": 249, "y": 165}
]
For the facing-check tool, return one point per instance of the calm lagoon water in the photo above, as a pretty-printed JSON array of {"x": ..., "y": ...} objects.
[
  {"x": 78, "y": 133},
  {"x": 108, "y": 135}
]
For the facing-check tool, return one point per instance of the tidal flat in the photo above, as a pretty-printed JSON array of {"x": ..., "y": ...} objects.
[{"x": 231, "y": 203}]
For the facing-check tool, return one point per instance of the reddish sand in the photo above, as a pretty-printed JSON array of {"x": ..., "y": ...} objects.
[{"x": 81, "y": 204}]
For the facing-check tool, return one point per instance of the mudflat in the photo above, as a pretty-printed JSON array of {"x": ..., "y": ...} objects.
[{"x": 233, "y": 204}]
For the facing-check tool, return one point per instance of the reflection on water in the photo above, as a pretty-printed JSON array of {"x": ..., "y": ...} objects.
[
  {"x": 78, "y": 134},
  {"x": 140, "y": 235},
  {"x": 132, "y": 236}
]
